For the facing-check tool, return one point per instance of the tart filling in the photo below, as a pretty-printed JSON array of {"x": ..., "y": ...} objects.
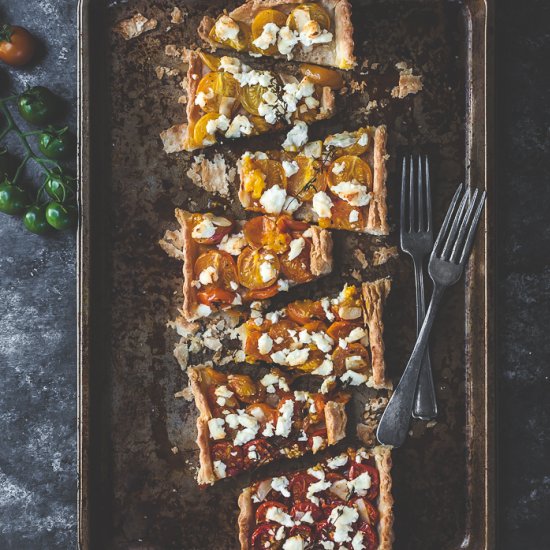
[
  {"x": 227, "y": 262},
  {"x": 337, "y": 338},
  {"x": 338, "y": 183},
  {"x": 318, "y": 32},
  {"x": 227, "y": 98},
  {"x": 245, "y": 423},
  {"x": 342, "y": 502}
]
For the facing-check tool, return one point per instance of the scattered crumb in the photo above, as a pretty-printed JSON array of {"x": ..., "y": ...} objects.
[
  {"x": 357, "y": 87},
  {"x": 366, "y": 431},
  {"x": 171, "y": 50},
  {"x": 382, "y": 255},
  {"x": 173, "y": 138},
  {"x": 174, "y": 450},
  {"x": 408, "y": 82},
  {"x": 136, "y": 25},
  {"x": 182, "y": 99},
  {"x": 364, "y": 66},
  {"x": 183, "y": 83},
  {"x": 431, "y": 423},
  {"x": 211, "y": 175},
  {"x": 361, "y": 258},
  {"x": 375, "y": 66},
  {"x": 186, "y": 393},
  {"x": 161, "y": 71},
  {"x": 356, "y": 275},
  {"x": 172, "y": 244},
  {"x": 177, "y": 16}
]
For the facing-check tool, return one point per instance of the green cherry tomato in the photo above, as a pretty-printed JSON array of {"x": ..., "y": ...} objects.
[
  {"x": 35, "y": 220},
  {"x": 38, "y": 105},
  {"x": 56, "y": 144},
  {"x": 13, "y": 199},
  {"x": 60, "y": 216},
  {"x": 59, "y": 187}
]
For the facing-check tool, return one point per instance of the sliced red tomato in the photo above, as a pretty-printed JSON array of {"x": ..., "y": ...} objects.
[
  {"x": 324, "y": 530},
  {"x": 298, "y": 269},
  {"x": 317, "y": 433},
  {"x": 286, "y": 224},
  {"x": 258, "y": 269},
  {"x": 264, "y": 232},
  {"x": 231, "y": 455},
  {"x": 263, "y": 537},
  {"x": 214, "y": 295},
  {"x": 358, "y": 468},
  {"x": 302, "y": 507},
  {"x": 303, "y": 531},
  {"x": 223, "y": 226},
  {"x": 299, "y": 484},
  {"x": 303, "y": 311},
  {"x": 265, "y": 506},
  {"x": 225, "y": 270},
  {"x": 262, "y": 453},
  {"x": 370, "y": 537},
  {"x": 261, "y": 294},
  {"x": 367, "y": 511},
  {"x": 263, "y": 413}
]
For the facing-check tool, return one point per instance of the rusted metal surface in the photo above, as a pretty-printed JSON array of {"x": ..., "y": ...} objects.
[{"x": 137, "y": 451}]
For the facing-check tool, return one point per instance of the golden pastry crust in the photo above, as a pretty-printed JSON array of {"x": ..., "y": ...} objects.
[
  {"x": 336, "y": 421},
  {"x": 206, "y": 474},
  {"x": 321, "y": 252},
  {"x": 374, "y": 296},
  {"x": 377, "y": 221},
  {"x": 246, "y": 517},
  {"x": 382, "y": 457},
  {"x": 189, "y": 252},
  {"x": 339, "y": 53},
  {"x": 194, "y": 75}
]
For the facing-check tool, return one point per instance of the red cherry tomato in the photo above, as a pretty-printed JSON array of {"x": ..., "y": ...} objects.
[
  {"x": 263, "y": 451},
  {"x": 263, "y": 538},
  {"x": 299, "y": 485},
  {"x": 367, "y": 511},
  {"x": 357, "y": 469},
  {"x": 264, "y": 507},
  {"x": 230, "y": 455},
  {"x": 370, "y": 537},
  {"x": 303, "y": 531},
  {"x": 301, "y": 508},
  {"x": 261, "y": 294},
  {"x": 215, "y": 295},
  {"x": 17, "y": 45}
]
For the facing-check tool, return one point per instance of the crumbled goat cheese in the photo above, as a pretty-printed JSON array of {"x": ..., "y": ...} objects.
[
  {"x": 277, "y": 515},
  {"x": 226, "y": 28},
  {"x": 361, "y": 484},
  {"x": 201, "y": 98},
  {"x": 290, "y": 167},
  {"x": 240, "y": 125},
  {"x": 325, "y": 368},
  {"x": 233, "y": 244},
  {"x": 317, "y": 443},
  {"x": 221, "y": 123},
  {"x": 354, "y": 378},
  {"x": 337, "y": 461},
  {"x": 313, "y": 149},
  {"x": 296, "y": 137},
  {"x": 353, "y": 216},
  {"x": 231, "y": 65},
  {"x": 296, "y": 247},
  {"x": 294, "y": 543},
  {"x": 267, "y": 271},
  {"x": 338, "y": 167},
  {"x": 297, "y": 357},
  {"x": 265, "y": 344},
  {"x": 268, "y": 36},
  {"x": 215, "y": 425},
  {"x": 353, "y": 192},
  {"x": 286, "y": 41},
  {"x": 204, "y": 229},
  {"x": 342, "y": 517},
  {"x": 273, "y": 199},
  {"x": 284, "y": 421},
  {"x": 280, "y": 484},
  {"x": 322, "y": 204},
  {"x": 219, "y": 469}
]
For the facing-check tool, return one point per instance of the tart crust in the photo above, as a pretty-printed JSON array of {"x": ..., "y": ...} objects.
[
  {"x": 377, "y": 221},
  {"x": 339, "y": 53}
]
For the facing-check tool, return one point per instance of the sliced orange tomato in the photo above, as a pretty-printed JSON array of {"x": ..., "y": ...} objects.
[
  {"x": 216, "y": 408},
  {"x": 224, "y": 265},
  {"x": 260, "y": 21},
  {"x": 357, "y": 148},
  {"x": 263, "y": 232},
  {"x": 303, "y": 311},
  {"x": 353, "y": 169},
  {"x": 260, "y": 125},
  {"x": 251, "y": 351},
  {"x": 314, "y": 360},
  {"x": 350, "y": 299},
  {"x": 263, "y": 413},
  {"x": 215, "y": 85},
  {"x": 257, "y": 268},
  {"x": 315, "y": 326},
  {"x": 260, "y": 175},
  {"x": 215, "y": 295},
  {"x": 280, "y": 335},
  {"x": 245, "y": 388},
  {"x": 341, "y": 329},
  {"x": 308, "y": 180},
  {"x": 223, "y": 225},
  {"x": 322, "y": 76},
  {"x": 340, "y": 215},
  {"x": 298, "y": 269},
  {"x": 303, "y": 13},
  {"x": 211, "y": 376},
  {"x": 261, "y": 294},
  {"x": 286, "y": 224},
  {"x": 354, "y": 357}
]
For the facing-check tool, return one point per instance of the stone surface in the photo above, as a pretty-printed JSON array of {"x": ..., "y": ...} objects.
[{"x": 37, "y": 302}]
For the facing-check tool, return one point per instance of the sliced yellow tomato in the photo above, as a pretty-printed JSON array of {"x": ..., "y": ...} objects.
[
  {"x": 342, "y": 216},
  {"x": 239, "y": 43},
  {"x": 260, "y": 21},
  {"x": 211, "y": 61},
  {"x": 348, "y": 168},
  {"x": 225, "y": 270},
  {"x": 260, "y": 125},
  {"x": 216, "y": 85},
  {"x": 259, "y": 175},
  {"x": 322, "y": 76},
  {"x": 200, "y": 133},
  {"x": 303, "y": 13},
  {"x": 251, "y": 97},
  {"x": 257, "y": 268},
  {"x": 359, "y": 147},
  {"x": 262, "y": 232},
  {"x": 298, "y": 269},
  {"x": 308, "y": 180}
]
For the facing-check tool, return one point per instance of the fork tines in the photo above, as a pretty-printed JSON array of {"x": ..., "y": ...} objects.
[
  {"x": 456, "y": 235},
  {"x": 419, "y": 205}
]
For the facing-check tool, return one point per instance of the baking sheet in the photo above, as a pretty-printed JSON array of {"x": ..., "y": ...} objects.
[{"x": 137, "y": 453}]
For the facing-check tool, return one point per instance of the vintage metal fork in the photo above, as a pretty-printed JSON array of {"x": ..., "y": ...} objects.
[
  {"x": 417, "y": 240},
  {"x": 451, "y": 250}
]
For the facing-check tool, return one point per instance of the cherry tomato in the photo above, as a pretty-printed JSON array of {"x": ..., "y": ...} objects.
[
  {"x": 56, "y": 144},
  {"x": 314, "y": 360},
  {"x": 245, "y": 388},
  {"x": 315, "y": 326},
  {"x": 263, "y": 413},
  {"x": 324, "y": 530},
  {"x": 322, "y": 76},
  {"x": 301, "y": 508},
  {"x": 35, "y": 220},
  {"x": 230, "y": 455},
  {"x": 358, "y": 148},
  {"x": 60, "y": 216},
  {"x": 265, "y": 506},
  {"x": 303, "y": 311},
  {"x": 217, "y": 409},
  {"x": 370, "y": 537},
  {"x": 262, "y": 232},
  {"x": 316, "y": 413},
  {"x": 367, "y": 511},
  {"x": 240, "y": 42},
  {"x": 260, "y": 21},
  {"x": 38, "y": 105},
  {"x": 263, "y": 537},
  {"x": 211, "y": 376},
  {"x": 286, "y": 224},
  {"x": 223, "y": 226},
  {"x": 303, "y": 531},
  {"x": 308, "y": 180},
  {"x": 261, "y": 294},
  {"x": 211, "y": 61},
  {"x": 13, "y": 199},
  {"x": 341, "y": 329},
  {"x": 201, "y": 136},
  {"x": 251, "y": 351},
  {"x": 224, "y": 265},
  {"x": 299, "y": 484},
  {"x": 59, "y": 187},
  {"x": 263, "y": 453},
  {"x": 341, "y": 213},
  {"x": 298, "y": 269},
  {"x": 353, "y": 169},
  {"x": 281, "y": 330},
  {"x": 257, "y": 268},
  {"x": 215, "y": 295},
  {"x": 353, "y": 357},
  {"x": 258, "y": 175},
  {"x": 313, "y": 12},
  {"x": 17, "y": 45},
  {"x": 215, "y": 85},
  {"x": 318, "y": 433},
  {"x": 358, "y": 468}
]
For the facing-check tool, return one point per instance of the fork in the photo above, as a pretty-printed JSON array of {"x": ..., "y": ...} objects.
[
  {"x": 447, "y": 260},
  {"x": 417, "y": 241}
]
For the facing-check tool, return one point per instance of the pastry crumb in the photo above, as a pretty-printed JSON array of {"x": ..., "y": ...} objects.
[
  {"x": 361, "y": 258},
  {"x": 382, "y": 255},
  {"x": 173, "y": 138},
  {"x": 177, "y": 16},
  {"x": 356, "y": 275},
  {"x": 174, "y": 450},
  {"x": 211, "y": 175},
  {"x": 408, "y": 82},
  {"x": 161, "y": 72},
  {"x": 135, "y": 26},
  {"x": 171, "y": 50}
]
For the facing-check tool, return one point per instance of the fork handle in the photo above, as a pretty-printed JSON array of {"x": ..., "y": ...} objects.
[
  {"x": 425, "y": 405},
  {"x": 394, "y": 423}
]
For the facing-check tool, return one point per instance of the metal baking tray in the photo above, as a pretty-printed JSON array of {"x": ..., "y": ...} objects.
[{"x": 136, "y": 442}]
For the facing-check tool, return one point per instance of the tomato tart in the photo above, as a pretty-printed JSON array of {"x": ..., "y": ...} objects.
[
  {"x": 338, "y": 338},
  {"x": 227, "y": 262},
  {"x": 227, "y": 98},
  {"x": 315, "y": 32},
  {"x": 342, "y": 502},
  {"x": 339, "y": 182},
  {"x": 245, "y": 423}
]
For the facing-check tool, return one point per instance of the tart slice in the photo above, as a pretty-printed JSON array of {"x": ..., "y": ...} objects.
[
  {"x": 227, "y": 262},
  {"x": 342, "y": 502},
  {"x": 315, "y": 32},
  {"x": 335, "y": 338},
  {"x": 226, "y": 98},
  {"x": 245, "y": 423},
  {"x": 338, "y": 183}
]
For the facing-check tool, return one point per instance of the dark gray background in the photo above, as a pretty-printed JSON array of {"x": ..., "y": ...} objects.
[{"x": 38, "y": 293}]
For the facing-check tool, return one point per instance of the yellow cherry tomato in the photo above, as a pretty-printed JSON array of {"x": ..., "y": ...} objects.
[
  {"x": 322, "y": 76},
  {"x": 303, "y": 13},
  {"x": 260, "y": 21},
  {"x": 308, "y": 180},
  {"x": 201, "y": 136},
  {"x": 348, "y": 168}
]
